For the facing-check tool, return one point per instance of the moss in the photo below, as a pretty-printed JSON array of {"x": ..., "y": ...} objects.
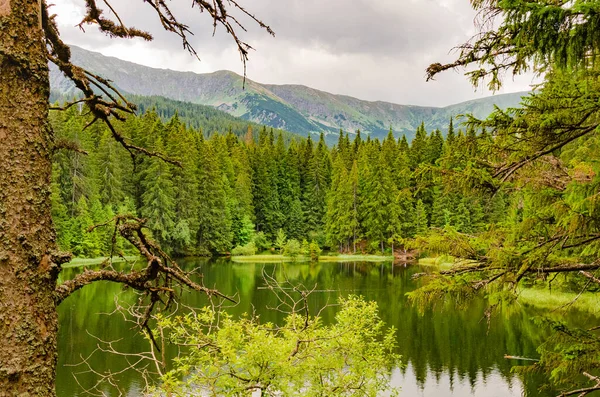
[
  {"x": 546, "y": 299},
  {"x": 78, "y": 262}
]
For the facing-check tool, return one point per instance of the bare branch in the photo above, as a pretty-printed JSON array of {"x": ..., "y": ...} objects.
[
  {"x": 69, "y": 145},
  {"x": 94, "y": 16},
  {"x": 68, "y": 105},
  {"x": 117, "y": 106},
  {"x": 590, "y": 276},
  {"x": 159, "y": 265}
]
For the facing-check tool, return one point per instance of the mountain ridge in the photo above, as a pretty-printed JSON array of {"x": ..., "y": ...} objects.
[{"x": 293, "y": 107}]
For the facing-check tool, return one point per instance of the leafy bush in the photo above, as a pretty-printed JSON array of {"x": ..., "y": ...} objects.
[
  {"x": 314, "y": 251},
  {"x": 305, "y": 248},
  {"x": 292, "y": 248},
  {"x": 281, "y": 240},
  {"x": 319, "y": 237},
  {"x": 261, "y": 242},
  {"x": 244, "y": 250},
  {"x": 374, "y": 247},
  {"x": 352, "y": 356}
]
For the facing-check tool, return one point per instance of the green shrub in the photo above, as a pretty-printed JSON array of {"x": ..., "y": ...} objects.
[
  {"x": 281, "y": 240},
  {"x": 244, "y": 250},
  {"x": 319, "y": 237},
  {"x": 261, "y": 242},
  {"x": 305, "y": 248},
  {"x": 355, "y": 354},
  {"x": 292, "y": 248},
  {"x": 314, "y": 251}
]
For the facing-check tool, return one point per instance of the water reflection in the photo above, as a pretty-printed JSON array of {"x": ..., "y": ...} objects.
[{"x": 447, "y": 352}]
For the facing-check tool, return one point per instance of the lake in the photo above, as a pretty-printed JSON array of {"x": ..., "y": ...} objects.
[{"x": 445, "y": 351}]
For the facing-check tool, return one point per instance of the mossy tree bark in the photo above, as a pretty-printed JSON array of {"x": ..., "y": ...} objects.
[
  {"x": 28, "y": 318},
  {"x": 29, "y": 262}
]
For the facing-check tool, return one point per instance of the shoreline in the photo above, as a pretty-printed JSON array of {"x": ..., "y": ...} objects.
[
  {"x": 270, "y": 258},
  {"x": 302, "y": 259}
]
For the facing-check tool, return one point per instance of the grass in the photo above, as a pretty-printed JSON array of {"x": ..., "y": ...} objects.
[
  {"x": 78, "y": 262},
  {"x": 266, "y": 258},
  {"x": 360, "y": 258},
  {"x": 553, "y": 300},
  {"x": 541, "y": 298},
  {"x": 443, "y": 262},
  {"x": 323, "y": 258}
]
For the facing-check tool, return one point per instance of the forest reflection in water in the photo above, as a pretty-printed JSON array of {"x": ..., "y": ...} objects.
[{"x": 445, "y": 351}]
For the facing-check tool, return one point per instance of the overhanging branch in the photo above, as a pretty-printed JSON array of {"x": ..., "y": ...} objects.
[{"x": 159, "y": 276}]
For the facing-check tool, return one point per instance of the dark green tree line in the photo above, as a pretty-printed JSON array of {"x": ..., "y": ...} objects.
[{"x": 363, "y": 195}]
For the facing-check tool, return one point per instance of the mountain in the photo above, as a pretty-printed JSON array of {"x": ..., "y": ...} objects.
[{"x": 294, "y": 108}]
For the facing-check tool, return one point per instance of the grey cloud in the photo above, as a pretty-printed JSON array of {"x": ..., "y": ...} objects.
[
  {"x": 374, "y": 50},
  {"x": 382, "y": 28},
  {"x": 387, "y": 28}
]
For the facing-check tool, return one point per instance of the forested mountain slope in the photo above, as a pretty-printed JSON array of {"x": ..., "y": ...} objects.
[
  {"x": 198, "y": 117},
  {"x": 293, "y": 108}
]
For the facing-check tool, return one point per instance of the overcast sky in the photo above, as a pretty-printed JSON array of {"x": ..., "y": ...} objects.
[{"x": 369, "y": 49}]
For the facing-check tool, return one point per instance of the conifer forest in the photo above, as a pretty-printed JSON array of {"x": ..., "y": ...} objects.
[{"x": 361, "y": 195}]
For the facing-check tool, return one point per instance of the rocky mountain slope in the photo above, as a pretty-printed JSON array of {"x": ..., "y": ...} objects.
[{"x": 295, "y": 108}]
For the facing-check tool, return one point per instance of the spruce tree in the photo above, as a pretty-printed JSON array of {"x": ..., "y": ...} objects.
[
  {"x": 61, "y": 218},
  {"x": 435, "y": 146},
  {"x": 442, "y": 209},
  {"x": 381, "y": 213},
  {"x": 267, "y": 206},
  {"x": 182, "y": 147},
  {"x": 214, "y": 220},
  {"x": 108, "y": 168},
  {"x": 294, "y": 222},
  {"x": 418, "y": 147},
  {"x": 158, "y": 197},
  {"x": 316, "y": 184},
  {"x": 420, "y": 222},
  {"x": 339, "y": 204}
]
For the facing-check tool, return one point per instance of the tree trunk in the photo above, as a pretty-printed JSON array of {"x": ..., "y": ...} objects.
[{"x": 28, "y": 318}]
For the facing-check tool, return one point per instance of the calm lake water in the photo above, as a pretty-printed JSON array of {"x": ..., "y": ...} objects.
[{"x": 446, "y": 352}]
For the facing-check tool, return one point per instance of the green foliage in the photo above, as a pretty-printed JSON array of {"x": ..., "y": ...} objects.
[
  {"x": 359, "y": 194},
  {"x": 568, "y": 352},
  {"x": 230, "y": 357},
  {"x": 244, "y": 231},
  {"x": 158, "y": 197},
  {"x": 542, "y": 162},
  {"x": 314, "y": 251},
  {"x": 245, "y": 250},
  {"x": 260, "y": 240},
  {"x": 421, "y": 218},
  {"x": 292, "y": 248},
  {"x": 528, "y": 36},
  {"x": 305, "y": 247},
  {"x": 280, "y": 240},
  {"x": 457, "y": 291},
  {"x": 214, "y": 214}
]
